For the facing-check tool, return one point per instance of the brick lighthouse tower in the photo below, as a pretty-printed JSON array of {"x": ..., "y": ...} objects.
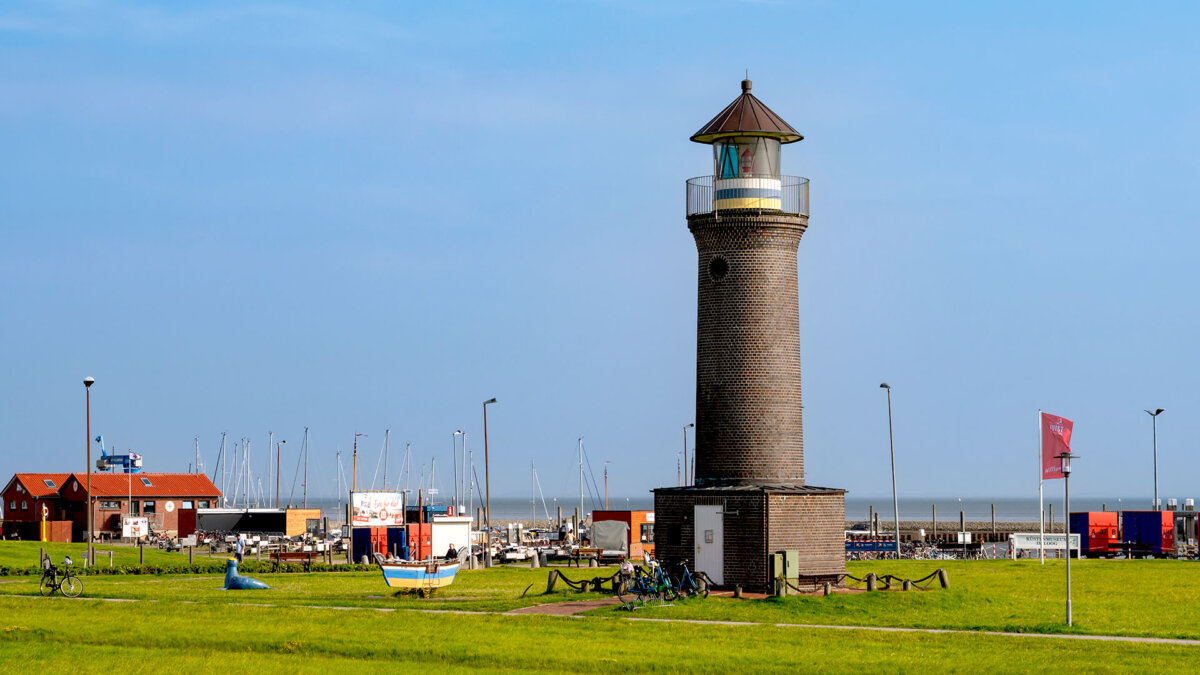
[{"x": 748, "y": 499}]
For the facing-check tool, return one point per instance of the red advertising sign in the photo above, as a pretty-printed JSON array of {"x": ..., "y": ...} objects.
[{"x": 1056, "y": 439}]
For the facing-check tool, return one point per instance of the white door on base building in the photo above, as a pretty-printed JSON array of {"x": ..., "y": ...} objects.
[{"x": 710, "y": 543}]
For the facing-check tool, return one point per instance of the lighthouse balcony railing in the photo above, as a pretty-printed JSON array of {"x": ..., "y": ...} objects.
[{"x": 792, "y": 199}]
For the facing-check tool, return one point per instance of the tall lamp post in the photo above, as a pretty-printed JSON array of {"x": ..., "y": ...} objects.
[
  {"x": 892, "y": 446},
  {"x": 686, "y": 480},
  {"x": 1154, "y": 425},
  {"x": 87, "y": 388},
  {"x": 454, "y": 456},
  {"x": 487, "y": 487},
  {"x": 1065, "y": 458},
  {"x": 278, "y": 449}
]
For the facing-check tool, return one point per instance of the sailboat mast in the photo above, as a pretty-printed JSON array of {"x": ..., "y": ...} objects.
[
  {"x": 580, "y": 485},
  {"x": 532, "y": 493},
  {"x": 306, "y": 467},
  {"x": 386, "y": 435}
]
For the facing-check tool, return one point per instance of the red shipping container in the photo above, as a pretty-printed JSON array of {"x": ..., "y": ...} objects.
[{"x": 1096, "y": 530}]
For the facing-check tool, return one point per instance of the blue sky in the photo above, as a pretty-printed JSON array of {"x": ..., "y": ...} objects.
[{"x": 245, "y": 217}]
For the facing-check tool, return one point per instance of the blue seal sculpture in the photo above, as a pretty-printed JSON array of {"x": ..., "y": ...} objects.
[{"x": 237, "y": 582}]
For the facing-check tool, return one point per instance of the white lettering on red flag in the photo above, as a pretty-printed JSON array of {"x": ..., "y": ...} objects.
[{"x": 1056, "y": 439}]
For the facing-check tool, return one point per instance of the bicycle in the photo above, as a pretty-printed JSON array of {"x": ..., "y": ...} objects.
[
  {"x": 692, "y": 584},
  {"x": 68, "y": 584},
  {"x": 645, "y": 583}
]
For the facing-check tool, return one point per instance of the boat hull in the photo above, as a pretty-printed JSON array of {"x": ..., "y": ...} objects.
[{"x": 419, "y": 576}]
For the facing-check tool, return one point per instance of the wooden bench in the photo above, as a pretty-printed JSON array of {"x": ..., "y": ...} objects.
[
  {"x": 305, "y": 557},
  {"x": 582, "y": 554}
]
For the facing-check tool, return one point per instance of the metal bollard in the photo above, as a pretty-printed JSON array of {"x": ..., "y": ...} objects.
[
  {"x": 190, "y": 561},
  {"x": 943, "y": 578},
  {"x": 110, "y": 558},
  {"x": 534, "y": 562},
  {"x": 737, "y": 591},
  {"x": 871, "y": 581},
  {"x": 907, "y": 585},
  {"x": 141, "y": 553},
  {"x": 828, "y": 589}
]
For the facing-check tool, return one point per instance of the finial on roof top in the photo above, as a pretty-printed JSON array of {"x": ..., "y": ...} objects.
[{"x": 746, "y": 83}]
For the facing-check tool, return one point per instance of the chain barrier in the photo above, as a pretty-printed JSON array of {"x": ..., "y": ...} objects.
[{"x": 885, "y": 582}]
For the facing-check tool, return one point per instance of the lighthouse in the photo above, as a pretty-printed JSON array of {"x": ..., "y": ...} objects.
[{"x": 748, "y": 498}]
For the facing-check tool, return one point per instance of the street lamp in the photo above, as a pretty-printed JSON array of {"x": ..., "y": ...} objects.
[
  {"x": 487, "y": 487},
  {"x": 278, "y": 449},
  {"x": 87, "y": 388},
  {"x": 1065, "y": 458},
  {"x": 454, "y": 456},
  {"x": 892, "y": 445},
  {"x": 686, "y": 480},
  {"x": 1154, "y": 425}
]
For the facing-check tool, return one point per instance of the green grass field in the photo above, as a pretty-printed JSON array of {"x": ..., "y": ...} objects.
[
  {"x": 24, "y": 554},
  {"x": 313, "y": 622}
]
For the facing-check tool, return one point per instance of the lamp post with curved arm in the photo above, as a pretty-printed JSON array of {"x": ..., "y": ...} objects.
[{"x": 892, "y": 446}]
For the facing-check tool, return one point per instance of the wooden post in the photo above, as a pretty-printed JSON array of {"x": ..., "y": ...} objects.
[
  {"x": 110, "y": 559},
  {"x": 189, "y": 557},
  {"x": 943, "y": 578},
  {"x": 935, "y": 522},
  {"x": 871, "y": 520},
  {"x": 871, "y": 581},
  {"x": 1050, "y": 517},
  {"x": 558, "y": 523},
  {"x": 907, "y": 585},
  {"x": 551, "y": 581},
  {"x": 42, "y": 556},
  {"x": 737, "y": 591},
  {"x": 993, "y": 520},
  {"x": 141, "y": 553}
]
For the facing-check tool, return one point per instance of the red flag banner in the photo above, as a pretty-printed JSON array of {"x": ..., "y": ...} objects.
[{"x": 1056, "y": 439}]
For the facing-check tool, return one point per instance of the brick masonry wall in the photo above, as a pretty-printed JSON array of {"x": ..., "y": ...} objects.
[
  {"x": 743, "y": 534},
  {"x": 814, "y": 525},
  {"x": 749, "y": 425},
  {"x": 764, "y": 522}
]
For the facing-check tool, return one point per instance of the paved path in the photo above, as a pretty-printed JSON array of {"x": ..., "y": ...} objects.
[
  {"x": 566, "y": 608},
  {"x": 893, "y": 629}
]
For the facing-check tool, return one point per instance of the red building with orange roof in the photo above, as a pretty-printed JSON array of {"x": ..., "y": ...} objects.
[
  {"x": 25, "y": 497},
  {"x": 169, "y": 500}
]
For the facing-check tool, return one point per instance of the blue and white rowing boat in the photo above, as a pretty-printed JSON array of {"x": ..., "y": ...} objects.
[{"x": 423, "y": 577}]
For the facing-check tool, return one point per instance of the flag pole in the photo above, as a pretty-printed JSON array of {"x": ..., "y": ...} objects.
[{"x": 1041, "y": 506}]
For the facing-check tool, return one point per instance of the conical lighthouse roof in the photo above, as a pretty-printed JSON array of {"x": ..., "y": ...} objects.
[{"x": 747, "y": 116}]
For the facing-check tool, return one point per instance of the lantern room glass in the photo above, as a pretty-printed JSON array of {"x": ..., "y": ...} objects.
[{"x": 746, "y": 157}]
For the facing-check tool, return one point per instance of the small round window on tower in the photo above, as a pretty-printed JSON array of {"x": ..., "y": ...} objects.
[{"x": 718, "y": 267}]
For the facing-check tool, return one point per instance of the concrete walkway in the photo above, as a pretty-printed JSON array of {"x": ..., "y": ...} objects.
[
  {"x": 939, "y": 631},
  {"x": 569, "y": 608}
]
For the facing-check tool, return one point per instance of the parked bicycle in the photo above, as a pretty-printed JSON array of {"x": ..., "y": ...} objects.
[
  {"x": 63, "y": 581},
  {"x": 647, "y": 582},
  {"x": 691, "y": 585}
]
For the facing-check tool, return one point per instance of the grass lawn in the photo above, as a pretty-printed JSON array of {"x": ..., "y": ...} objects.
[
  {"x": 311, "y": 622},
  {"x": 1150, "y": 598},
  {"x": 19, "y": 554},
  {"x": 60, "y": 636}
]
